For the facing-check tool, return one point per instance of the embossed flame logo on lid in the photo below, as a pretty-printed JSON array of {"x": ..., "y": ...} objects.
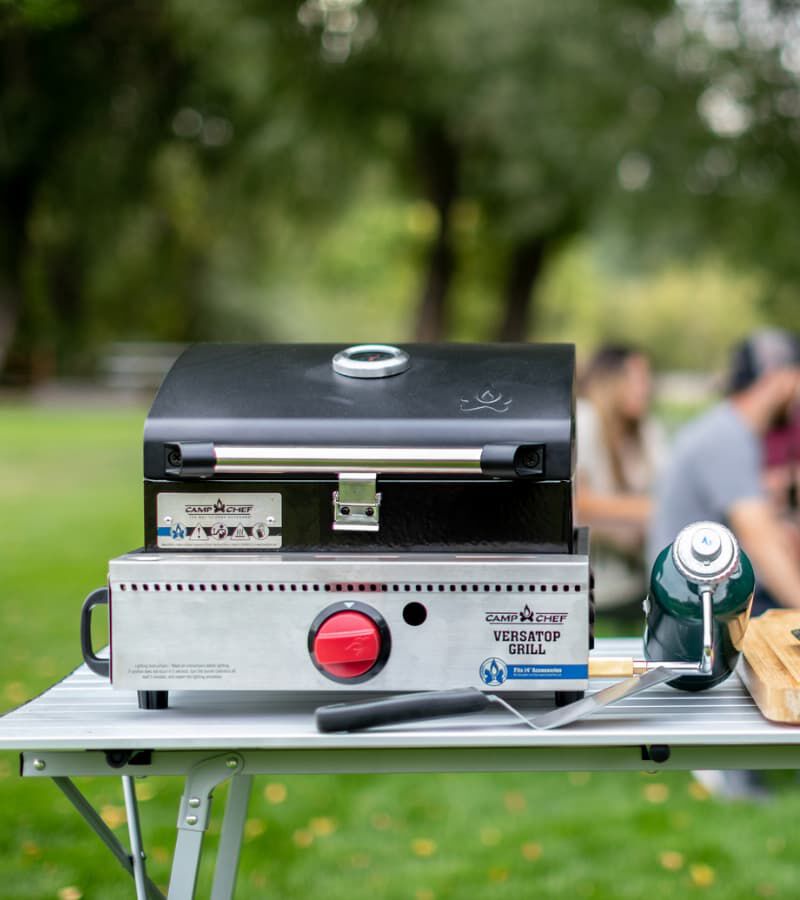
[{"x": 487, "y": 399}]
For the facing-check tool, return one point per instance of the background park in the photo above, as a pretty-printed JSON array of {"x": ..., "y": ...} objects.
[{"x": 347, "y": 170}]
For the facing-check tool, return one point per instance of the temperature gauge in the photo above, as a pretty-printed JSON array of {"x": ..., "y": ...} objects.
[{"x": 371, "y": 361}]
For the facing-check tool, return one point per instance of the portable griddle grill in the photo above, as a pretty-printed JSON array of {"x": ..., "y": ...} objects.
[{"x": 359, "y": 519}]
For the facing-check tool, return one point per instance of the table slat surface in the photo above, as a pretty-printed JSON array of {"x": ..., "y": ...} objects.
[{"x": 84, "y": 712}]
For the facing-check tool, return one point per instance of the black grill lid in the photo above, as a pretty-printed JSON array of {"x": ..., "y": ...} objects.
[{"x": 490, "y": 396}]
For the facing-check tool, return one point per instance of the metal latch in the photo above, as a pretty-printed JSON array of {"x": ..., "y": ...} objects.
[{"x": 356, "y": 505}]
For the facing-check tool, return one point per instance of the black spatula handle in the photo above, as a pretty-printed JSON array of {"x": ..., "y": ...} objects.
[{"x": 403, "y": 708}]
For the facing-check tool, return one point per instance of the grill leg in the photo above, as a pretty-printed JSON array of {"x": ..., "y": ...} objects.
[
  {"x": 564, "y": 698},
  {"x": 153, "y": 699}
]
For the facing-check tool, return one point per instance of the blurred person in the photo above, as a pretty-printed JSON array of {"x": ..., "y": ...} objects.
[
  {"x": 717, "y": 472},
  {"x": 781, "y": 451},
  {"x": 780, "y": 474},
  {"x": 782, "y": 478},
  {"x": 717, "y": 467},
  {"x": 620, "y": 450}
]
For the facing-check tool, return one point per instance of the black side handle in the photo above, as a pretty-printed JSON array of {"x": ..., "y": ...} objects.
[
  {"x": 404, "y": 708},
  {"x": 99, "y": 666},
  {"x": 189, "y": 460},
  {"x": 513, "y": 460}
]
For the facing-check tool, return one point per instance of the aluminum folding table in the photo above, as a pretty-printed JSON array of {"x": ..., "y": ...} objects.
[{"x": 82, "y": 727}]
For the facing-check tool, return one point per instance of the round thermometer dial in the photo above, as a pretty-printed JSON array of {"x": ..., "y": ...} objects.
[{"x": 371, "y": 361}]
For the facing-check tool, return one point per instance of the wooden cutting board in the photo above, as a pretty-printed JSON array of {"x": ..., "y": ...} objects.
[{"x": 770, "y": 667}]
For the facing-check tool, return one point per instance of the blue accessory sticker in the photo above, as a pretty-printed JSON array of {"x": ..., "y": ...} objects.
[{"x": 494, "y": 672}]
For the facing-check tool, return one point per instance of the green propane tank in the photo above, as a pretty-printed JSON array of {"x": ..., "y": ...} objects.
[{"x": 705, "y": 556}]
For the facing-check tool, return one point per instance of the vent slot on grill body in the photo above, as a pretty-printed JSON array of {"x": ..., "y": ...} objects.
[{"x": 347, "y": 587}]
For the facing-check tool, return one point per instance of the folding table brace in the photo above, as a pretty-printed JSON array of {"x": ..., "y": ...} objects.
[{"x": 133, "y": 862}]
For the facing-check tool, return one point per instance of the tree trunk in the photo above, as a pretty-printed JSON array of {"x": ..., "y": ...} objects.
[
  {"x": 432, "y": 314},
  {"x": 9, "y": 313},
  {"x": 438, "y": 162},
  {"x": 15, "y": 362},
  {"x": 525, "y": 267}
]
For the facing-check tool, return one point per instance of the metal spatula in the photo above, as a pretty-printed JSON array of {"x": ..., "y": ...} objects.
[{"x": 438, "y": 704}]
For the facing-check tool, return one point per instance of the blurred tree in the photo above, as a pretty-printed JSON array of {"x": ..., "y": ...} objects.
[
  {"x": 581, "y": 301},
  {"x": 145, "y": 153},
  {"x": 532, "y": 112},
  {"x": 153, "y": 157},
  {"x": 81, "y": 105},
  {"x": 732, "y": 185},
  {"x": 672, "y": 123}
]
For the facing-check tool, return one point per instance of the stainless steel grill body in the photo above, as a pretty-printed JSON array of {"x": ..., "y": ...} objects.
[{"x": 211, "y": 622}]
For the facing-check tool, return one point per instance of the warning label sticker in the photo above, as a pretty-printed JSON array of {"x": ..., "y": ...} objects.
[
  {"x": 230, "y": 521},
  {"x": 181, "y": 671}
]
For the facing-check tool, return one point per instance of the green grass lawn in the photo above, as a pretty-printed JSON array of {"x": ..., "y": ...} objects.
[{"x": 71, "y": 488}]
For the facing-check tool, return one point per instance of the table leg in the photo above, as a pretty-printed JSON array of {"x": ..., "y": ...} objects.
[
  {"x": 193, "y": 818},
  {"x": 185, "y": 865},
  {"x": 230, "y": 842},
  {"x": 135, "y": 833},
  {"x": 106, "y": 835}
]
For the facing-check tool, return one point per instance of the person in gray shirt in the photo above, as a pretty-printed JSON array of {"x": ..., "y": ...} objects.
[{"x": 715, "y": 470}]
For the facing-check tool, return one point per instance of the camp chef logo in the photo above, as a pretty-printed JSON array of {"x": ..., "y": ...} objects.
[
  {"x": 493, "y": 671},
  {"x": 488, "y": 399},
  {"x": 526, "y": 614},
  {"x": 218, "y": 508}
]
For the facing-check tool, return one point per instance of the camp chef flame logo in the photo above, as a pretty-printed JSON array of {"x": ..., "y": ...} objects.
[
  {"x": 488, "y": 399},
  {"x": 493, "y": 671},
  {"x": 218, "y": 508},
  {"x": 526, "y": 614}
]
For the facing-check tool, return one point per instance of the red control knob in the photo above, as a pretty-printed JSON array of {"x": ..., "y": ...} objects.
[{"x": 347, "y": 644}]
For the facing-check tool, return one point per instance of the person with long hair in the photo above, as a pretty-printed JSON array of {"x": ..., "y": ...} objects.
[{"x": 620, "y": 450}]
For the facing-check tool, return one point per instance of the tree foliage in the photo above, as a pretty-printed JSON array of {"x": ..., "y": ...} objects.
[{"x": 159, "y": 161}]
